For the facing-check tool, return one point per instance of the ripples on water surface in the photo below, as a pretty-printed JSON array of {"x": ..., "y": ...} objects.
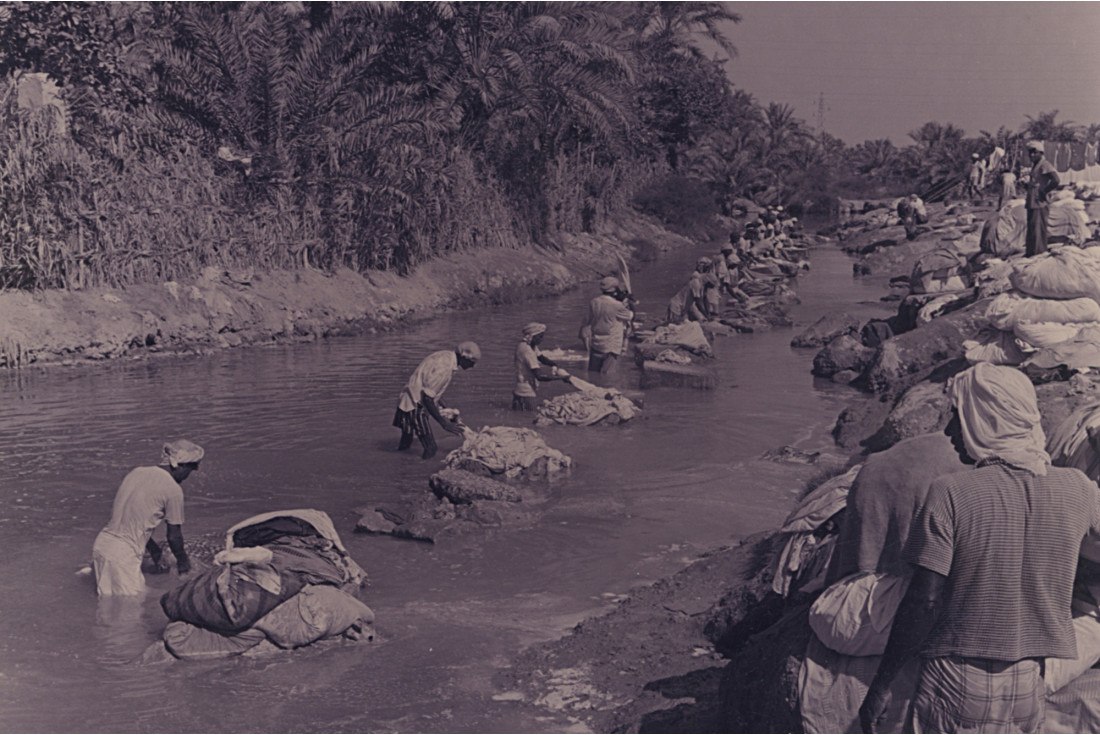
[{"x": 309, "y": 426}]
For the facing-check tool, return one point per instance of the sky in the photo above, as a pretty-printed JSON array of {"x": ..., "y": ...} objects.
[{"x": 886, "y": 68}]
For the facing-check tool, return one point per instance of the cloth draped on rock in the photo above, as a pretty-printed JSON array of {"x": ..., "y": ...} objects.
[{"x": 999, "y": 414}]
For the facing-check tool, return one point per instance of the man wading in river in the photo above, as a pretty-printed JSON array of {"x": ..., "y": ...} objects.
[
  {"x": 421, "y": 397},
  {"x": 532, "y": 367},
  {"x": 147, "y": 496},
  {"x": 604, "y": 329},
  {"x": 994, "y": 552}
]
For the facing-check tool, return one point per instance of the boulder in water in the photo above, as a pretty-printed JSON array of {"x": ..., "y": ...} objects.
[
  {"x": 845, "y": 352},
  {"x": 825, "y": 330},
  {"x": 463, "y": 488}
]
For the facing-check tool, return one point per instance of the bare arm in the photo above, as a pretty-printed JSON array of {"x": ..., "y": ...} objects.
[
  {"x": 917, "y": 615},
  {"x": 175, "y": 543},
  {"x": 430, "y": 406}
]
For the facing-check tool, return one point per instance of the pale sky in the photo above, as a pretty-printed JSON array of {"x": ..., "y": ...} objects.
[{"x": 886, "y": 68}]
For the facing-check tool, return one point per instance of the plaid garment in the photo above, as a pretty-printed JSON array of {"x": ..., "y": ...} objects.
[{"x": 978, "y": 695}]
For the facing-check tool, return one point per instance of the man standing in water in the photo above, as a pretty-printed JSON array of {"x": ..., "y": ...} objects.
[
  {"x": 604, "y": 329},
  {"x": 532, "y": 367},
  {"x": 1043, "y": 180},
  {"x": 147, "y": 496},
  {"x": 994, "y": 551},
  {"x": 421, "y": 397}
]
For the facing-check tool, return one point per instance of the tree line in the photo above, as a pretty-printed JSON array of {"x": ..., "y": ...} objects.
[{"x": 378, "y": 135}]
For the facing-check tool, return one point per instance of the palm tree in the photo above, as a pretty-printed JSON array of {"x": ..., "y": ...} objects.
[
  {"x": 677, "y": 26},
  {"x": 1045, "y": 128}
]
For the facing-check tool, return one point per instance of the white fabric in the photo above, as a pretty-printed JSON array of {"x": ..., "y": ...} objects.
[
  {"x": 1061, "y": 671},
  {"x": 999, "y": 414},
  {"x": 1010, "y": 308},
  {"x": 1047, "y": 334},
  {"x": 1069, "y": 443},
  {"x": 1062, "y": 273},
  {"x": 993, "y": 346},
  {"x": 316, "y": 518},
  {"x": 854, "y": 616},
  {"x": 431, "y": 377},
  {"x": 117, "y": 567}
]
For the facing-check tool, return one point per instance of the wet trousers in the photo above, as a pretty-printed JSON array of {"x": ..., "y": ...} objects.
[{"x": 415, "y": 423}]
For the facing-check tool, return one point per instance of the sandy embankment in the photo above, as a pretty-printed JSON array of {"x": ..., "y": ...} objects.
[{"x": 221, "y": 309}]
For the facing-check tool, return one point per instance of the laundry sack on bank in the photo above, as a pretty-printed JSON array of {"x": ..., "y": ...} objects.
[
  {"x": 854, "y": 616},
  {"x": 1047, "y": 334},
  {"x": 1010, "y": 308},
  {"x": 1065, "y": 273},
  {"x": 995, "y": 347}
]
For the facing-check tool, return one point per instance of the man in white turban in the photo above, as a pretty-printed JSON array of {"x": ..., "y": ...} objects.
[
  {"x": 994, "y": 551},
  {"x": 147, "y": 496},
  {"x": 532, "y": 367}
]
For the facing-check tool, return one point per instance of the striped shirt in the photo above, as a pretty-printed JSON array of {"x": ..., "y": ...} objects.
[{"x": 1007, "y": 541}]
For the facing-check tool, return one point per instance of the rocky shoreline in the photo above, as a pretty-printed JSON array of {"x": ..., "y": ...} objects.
[
  {"x": 222, "y": 309},
  {"x": 713, "y": 648}
]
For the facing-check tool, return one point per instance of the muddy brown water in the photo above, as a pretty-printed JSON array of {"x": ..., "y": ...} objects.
[{"x": 309, "y": 426}]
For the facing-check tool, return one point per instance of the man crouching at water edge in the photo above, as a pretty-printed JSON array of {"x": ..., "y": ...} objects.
[
  {"x": 422, "y": 397},
  {"x": 147, "y": 496},
  {"x": 995, "y": 550}
]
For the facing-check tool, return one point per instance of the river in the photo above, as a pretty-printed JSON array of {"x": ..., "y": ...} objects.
[{"x": 309, "y": 426}]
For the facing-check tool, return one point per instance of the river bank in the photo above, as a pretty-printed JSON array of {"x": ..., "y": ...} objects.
[{"x": 223, "y": 309}]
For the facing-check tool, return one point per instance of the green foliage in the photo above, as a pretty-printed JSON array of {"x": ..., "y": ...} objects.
[{"x": 371, "y": 135}]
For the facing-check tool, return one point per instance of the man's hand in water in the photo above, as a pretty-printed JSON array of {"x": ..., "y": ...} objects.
[{"x": 453, "y": 427}]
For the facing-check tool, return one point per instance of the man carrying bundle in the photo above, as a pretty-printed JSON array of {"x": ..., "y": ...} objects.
[
  {"x": 422, "y": 397},
  {"x": 994, "y": 551}
]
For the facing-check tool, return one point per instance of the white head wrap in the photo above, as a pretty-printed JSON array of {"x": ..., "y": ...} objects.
[
  {"x": 1000, "y": 416},
  {"x": 180, "y": 452}
]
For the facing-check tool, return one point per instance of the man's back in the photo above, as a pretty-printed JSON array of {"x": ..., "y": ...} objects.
[
  {"x": 1007, "y": 541},
  {"x": 607, "y": 316},
  {"x": 147, "y": 496}
]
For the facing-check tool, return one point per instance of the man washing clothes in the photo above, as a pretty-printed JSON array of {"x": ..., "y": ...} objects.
[{"x": 147, "y": 496}]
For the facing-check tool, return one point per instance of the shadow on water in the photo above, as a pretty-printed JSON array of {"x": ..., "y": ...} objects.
[{"x": 309, "y": 426}]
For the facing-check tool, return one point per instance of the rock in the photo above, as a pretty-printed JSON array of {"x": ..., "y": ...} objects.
[
  {"x": 656, "y": 374},
  {"x": 860, "y": 420},
  {"x": 372, "y": 521},
  {"x": 790, "y": 454},
  {"x": 760, "y": 684},
  {"x": 462, "y": 487},
  {"x": 825, "y": 330},
  {"x": 907, "y": 358},
  {"x": 922, "y": 409},
  {"x": 843, "y": 353},
  {"x": 844, "y": 377}
]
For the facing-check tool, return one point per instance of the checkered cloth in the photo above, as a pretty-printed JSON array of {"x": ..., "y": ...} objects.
[{"x": 978, "y": 695}]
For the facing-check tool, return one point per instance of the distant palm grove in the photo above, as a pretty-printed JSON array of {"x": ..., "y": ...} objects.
[{"x": 362, "y": 135}]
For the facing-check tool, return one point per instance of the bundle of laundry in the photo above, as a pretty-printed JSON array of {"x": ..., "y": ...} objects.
[
  {"x": 509, "y": 451},
  {"x": 1066, "y": 218},
  {"x": 811, "y": 536},
  {"x": 1063, "y": 273},
  {"x": 269, "y": 562},
  {"x": 584, "y": 408},
  {"x": 688, "y": 335}
]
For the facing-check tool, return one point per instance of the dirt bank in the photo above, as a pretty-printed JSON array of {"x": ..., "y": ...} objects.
[{"x": 222, "y": 309}]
